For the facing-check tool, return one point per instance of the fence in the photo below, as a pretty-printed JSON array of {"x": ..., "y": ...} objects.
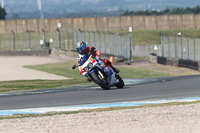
[
  {"x": 143, "y": 50},
  {"x": 180, "y": 47},
  {"x": 107, "y": 43},
  {"x": 35, "y": 40}
]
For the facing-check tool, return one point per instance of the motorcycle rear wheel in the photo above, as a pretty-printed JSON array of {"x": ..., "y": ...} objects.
[{"x": 101, "y": 82}]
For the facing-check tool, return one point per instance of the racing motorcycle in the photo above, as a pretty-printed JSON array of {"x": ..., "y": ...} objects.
[{"x": 96, "y": 71}]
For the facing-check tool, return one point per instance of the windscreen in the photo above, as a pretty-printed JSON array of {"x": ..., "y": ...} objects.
[{"x": 84, "y": 59}]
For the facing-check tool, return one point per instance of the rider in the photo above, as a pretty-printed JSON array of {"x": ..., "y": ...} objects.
[{"x": 82, "y": 48}]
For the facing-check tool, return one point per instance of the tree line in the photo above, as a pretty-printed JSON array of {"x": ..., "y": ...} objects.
[
  {"x": 166, "y": 11},
  {"x": 2, "y": 13}
]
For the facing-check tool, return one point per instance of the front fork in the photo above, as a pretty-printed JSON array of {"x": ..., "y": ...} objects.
[{"x": 88, "y": 76}]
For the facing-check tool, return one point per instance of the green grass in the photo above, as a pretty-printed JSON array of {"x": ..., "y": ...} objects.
[
  {"x": 127, "y": 72},
  {"x": 62, "y": 69},
  {"x": 20, "y": 85},
  {"x": 140, "y": 58},
  {"x": 143, "y": 37}
]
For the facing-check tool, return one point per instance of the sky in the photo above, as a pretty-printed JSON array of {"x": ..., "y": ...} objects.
[{"x": 75, "y": 6}]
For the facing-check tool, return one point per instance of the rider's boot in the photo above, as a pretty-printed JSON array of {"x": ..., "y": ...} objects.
[
  {"x": 108, "y": 63},
  {"x": 115, "y": 69}
]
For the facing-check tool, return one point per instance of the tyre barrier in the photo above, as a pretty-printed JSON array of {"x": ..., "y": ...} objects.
[
  {"x": 178, "y": 62},
  {"x": 188, "y": 64},
  {"x": 162, "y": 60}
]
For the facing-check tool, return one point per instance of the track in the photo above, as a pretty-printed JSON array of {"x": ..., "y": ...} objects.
[{"x": 135, "y": 90}]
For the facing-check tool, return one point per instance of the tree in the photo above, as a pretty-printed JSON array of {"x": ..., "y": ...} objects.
[
  {"x": 126, "y": 13},
  {"x": 167, "y": 11},
  {"x": 2, "y": 13},
  {"x": 196, "y": 10}
]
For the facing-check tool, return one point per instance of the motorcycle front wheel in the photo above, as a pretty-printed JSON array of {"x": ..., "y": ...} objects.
[
  {"x": 100, "y": 80},
  {"x": 120, "y": 84}
]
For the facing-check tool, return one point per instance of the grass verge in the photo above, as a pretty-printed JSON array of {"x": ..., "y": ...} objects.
[
  {"x": 140, "y": 58},
  {"x": 8, "y": 86},
  {"x": 128, "y": 72},
  {"x": 143, "y": 37},
  {"x": 96, "y": 110}
]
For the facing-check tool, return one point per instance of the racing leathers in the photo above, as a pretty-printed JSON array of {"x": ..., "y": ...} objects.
[{"x": 96, "y": 54}]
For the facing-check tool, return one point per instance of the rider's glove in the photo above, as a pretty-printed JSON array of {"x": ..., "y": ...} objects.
[{"x": 93, "y": 51}]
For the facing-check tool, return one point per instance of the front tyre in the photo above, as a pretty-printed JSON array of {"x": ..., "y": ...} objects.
[
  {"x": 120, "y": 84},
  {"x": 99, "y": 80}
]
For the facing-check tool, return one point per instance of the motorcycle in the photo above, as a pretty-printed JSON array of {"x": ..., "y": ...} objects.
[{"x": 96, "y": 71}]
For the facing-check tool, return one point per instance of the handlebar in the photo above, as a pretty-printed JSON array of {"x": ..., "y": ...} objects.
[{"x": 74, "y": 66}]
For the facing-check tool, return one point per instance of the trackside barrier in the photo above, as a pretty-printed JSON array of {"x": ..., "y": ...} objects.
[
  {"x": 178, "y": 63},
  {"x": 113, "y": 44},
  {"x": 180, "y": 46},
  {"x": 162, "y": 60},
  {"x": 179, "y": 50},
  {"x": 188, "y": 64}
]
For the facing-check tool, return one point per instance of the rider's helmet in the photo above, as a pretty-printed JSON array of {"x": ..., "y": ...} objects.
[{"x": 81, "y": 47}]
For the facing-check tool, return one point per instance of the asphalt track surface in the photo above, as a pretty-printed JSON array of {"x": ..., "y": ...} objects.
[{"x": 134, "y": 90}]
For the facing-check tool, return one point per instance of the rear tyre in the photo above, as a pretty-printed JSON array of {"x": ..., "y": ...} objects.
[
  {"x": 120, "y": 84},
  {"x": 102, "y": 82}
]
